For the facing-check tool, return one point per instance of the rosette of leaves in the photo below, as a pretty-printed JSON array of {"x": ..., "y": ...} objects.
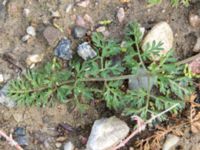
[{"x": 105, "y": 77}]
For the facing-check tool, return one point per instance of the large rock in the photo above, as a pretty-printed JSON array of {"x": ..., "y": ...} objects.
[
  {"x": 161, "y": 32},
  {"x": 107, "y": 133}
]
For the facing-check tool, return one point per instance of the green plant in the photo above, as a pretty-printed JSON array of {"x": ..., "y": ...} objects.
[
  {"x": 173, "y": 2},
  {"x": 104, "y": 78}
]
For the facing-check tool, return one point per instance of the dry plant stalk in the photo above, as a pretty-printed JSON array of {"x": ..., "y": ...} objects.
[
  {"x": 141, "y": 125},
  {"x": 194, "y": 115},
  {"x": 10, "y": 140}
]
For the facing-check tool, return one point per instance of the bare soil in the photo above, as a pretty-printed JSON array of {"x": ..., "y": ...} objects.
[{"x": 41, "y": 123}]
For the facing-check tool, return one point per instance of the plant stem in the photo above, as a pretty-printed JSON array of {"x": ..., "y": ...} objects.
[
  {"x": 44, "y": 87},
  {"x": 140, "y": 57}
]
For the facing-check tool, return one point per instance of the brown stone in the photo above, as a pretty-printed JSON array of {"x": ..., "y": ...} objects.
[{"x": 52, "y": 35}]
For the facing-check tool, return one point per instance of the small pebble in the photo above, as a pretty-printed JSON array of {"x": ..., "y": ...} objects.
[
  {"x": 171, "y": 141},
  {"x": 197, "y": 46},
  {"x": 194, "y": 20},
  {"x": 194, "y": 14},
  {"x": 33, "y": 59},
  {"x": 20, "y": 136},
  {"x": 80, "y": 21},
  {"x": 88, "y": 18},
  {"x": 69, "y": 8},
  {"x": 101, "y": 29},
  {"x": 68, "y": 146},
  {"x": 79, "y": 32},
  {"x": 31, "y": 31},
  {"x": 4, "y": 99},
  {"x": 83, "y": 3},
  {"x": 63, "y": 50},
  {"x": 58, "y": 145},
  {"x": 121, "y": 15},
  {"x": 25, "y": 37},
  {"x": 26, "y": 12},
  {"x": 19, "y": 131},
  {"x": 52, "y": 35},
  {"x": 85, "y": 51},
  {"x": 194, "y": 66},
  {"x": 1, "y": 78},
  {"x": 22, "y": 140},
  {"x": 61, "y": 139},
  {"x": 55, "y": 14}
]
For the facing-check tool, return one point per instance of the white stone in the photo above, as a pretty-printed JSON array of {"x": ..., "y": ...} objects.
[
  {"x": 33, "y": 59},
  {"x": 26, "y": 12},
  {"x": 121, "y": 14},
  {"x": 31, "y": 31},
  {"x": 101, "y": 29},
  {"x": 1, "y": 78},
  {"x": 69, "y": 146},
  {"x": 69, "y": 8},
  {"x": 161, "y": 32},
  {"x": 106, "y": 133},
  {"x": 25, "y": 37},
  {"x": 58, "y": 145},
  {"x": 197, "y": 46},
  {"x": 170, "y": 141}
]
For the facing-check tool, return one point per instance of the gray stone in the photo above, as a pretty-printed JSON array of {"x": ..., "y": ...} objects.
[
  {"x": 142, "y": 80},
  {"x": 63, "y": 50},
  {"x": 68, "y": 146},
  {"x": 22, "y": 140},
  {"x": 52, "y": 35},
  {"x": 19, "y": 131},
  {"x": 4, "y": 99},
  {"x": 20, "y": 136},
  {"x": 171, "y": 141},
  {"x": 161, "y": 32},
  {"x": 79, "y": 32},
  {"x": 107, "y": 133},
  {"x": 85, "y": 51}
]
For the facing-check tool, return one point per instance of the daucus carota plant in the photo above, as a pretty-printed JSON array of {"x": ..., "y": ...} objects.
[{"x": 105, "y": 77}]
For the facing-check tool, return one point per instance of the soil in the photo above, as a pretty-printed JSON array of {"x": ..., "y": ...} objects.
[{"x": 41, "y": 123}]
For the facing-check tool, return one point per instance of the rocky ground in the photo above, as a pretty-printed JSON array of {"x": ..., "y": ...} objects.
[{"x": 29, "y": 33}]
